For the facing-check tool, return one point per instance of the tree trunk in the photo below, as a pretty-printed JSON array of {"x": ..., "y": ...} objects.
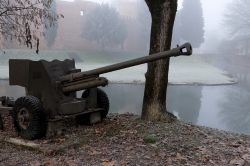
[{"x": 154, "y": 101}]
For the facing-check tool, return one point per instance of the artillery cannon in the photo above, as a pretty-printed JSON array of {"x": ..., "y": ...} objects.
[{"x": 51, "y": 91}]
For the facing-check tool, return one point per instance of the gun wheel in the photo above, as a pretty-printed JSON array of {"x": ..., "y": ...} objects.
[
  {"x": 29, "y": 118},
  {"x": 102, "y": 102}
]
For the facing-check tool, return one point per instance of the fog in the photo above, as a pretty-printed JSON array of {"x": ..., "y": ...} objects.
[
  {"x": 100, "y": 32},
  {"x": 75, "y": 30},
  {"x": 213, "y": 13}
]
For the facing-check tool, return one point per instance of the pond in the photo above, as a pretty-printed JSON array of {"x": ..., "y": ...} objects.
[{"x": 221, "y": 107}]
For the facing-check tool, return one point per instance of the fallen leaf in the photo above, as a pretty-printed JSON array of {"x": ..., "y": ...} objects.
[
  {"x": 122, "y": 162},
  {"x": 93, "y": 152},
  {"x": 108, "y": 163},
  {"x": 35, "y": 163},
  {"x": 128, "y": 148},
  {"x": 98, "y": 130},
  {"x": 49, "y": 163},
  {"x": 235, "y": 145},
  {"x": 129, "y": 131},
  {"x": 179, "y": 157},
  {"x": 202, "y": 149},
  {"x": 60, "y": 140},
  {"x": 246, "y": 157},
  {"x": 238, "y": 162},
  {"x": 71, "y": 163}
]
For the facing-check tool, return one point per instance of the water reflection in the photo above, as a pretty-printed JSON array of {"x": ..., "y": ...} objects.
[
  {"x": 12, "y": 91},
  {"x": 125, "y": 97},
  {"x": 183, "y": 101},
  {"x": 235, "y": 106}
]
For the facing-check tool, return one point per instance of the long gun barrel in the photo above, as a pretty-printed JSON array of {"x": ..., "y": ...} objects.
[
  {"x": 89, "y": 79},
  {"x": 185, "y": 49}
]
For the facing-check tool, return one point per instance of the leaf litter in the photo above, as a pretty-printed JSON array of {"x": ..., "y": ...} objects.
[{"x": 124, "y": 139}]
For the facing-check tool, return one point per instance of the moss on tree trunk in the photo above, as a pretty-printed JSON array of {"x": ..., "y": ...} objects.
[{"x": 154, "y": 101}]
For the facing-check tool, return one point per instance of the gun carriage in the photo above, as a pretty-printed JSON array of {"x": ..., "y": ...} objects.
[{"x": 51, "y": 91}]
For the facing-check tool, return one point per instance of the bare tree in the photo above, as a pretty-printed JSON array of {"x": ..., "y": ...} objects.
[
  {"x": 51, "y": 33},
  {"x": 154, "y": 103},
  {"x": 237, "y": 22},
  {"x": 23, "y": 20},
  {"x": 237, "y": 17}
]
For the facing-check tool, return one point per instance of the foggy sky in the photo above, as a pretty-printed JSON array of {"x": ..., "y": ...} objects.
[{"x": 212, "y": 10}]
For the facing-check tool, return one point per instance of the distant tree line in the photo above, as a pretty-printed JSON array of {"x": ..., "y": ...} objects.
[
  {"x": 50, "y": 33},
  {"x": 105, "y": 27},
  {"x": 237, "y": 17},
  {"x": 237, "y": 23},
  {"x": 189, "y": 24}
]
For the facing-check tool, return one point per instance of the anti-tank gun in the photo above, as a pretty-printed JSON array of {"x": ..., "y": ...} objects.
[{"x": 51, "y": 91}]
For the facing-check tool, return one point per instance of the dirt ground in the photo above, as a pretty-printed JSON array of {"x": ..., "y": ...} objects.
[{"x": 127, "y": 140}]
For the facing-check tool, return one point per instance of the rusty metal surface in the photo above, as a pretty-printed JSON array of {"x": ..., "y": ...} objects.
[{"x": 18, "y": 72}]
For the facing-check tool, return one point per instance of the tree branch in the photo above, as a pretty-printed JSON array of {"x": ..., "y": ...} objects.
[{"x": 24, "y": 20}]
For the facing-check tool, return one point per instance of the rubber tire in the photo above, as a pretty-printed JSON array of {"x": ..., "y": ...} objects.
[
  {"x": 37, "y": 126},
  {"x": 102, "y": 102}
]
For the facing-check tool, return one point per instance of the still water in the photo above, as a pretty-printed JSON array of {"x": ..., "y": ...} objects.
[{"x": 222, "y": 107}]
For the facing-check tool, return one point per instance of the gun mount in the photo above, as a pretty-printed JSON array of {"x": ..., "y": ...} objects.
[{"x": 51, "y": 91}]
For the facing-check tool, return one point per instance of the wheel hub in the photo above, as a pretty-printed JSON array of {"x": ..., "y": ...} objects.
[{"x": 23, "y": 117}]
